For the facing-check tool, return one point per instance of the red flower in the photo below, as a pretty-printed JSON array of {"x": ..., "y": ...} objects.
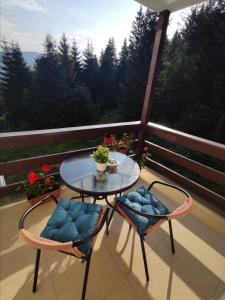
[
  {"x": 145, "y": 148},
  {"x": 45, "y": 168},
  {"x": 33, "y": 177},
  {"x": 144, "y": 155},
  {"x": 47, "y": 179},
  {"x": 124, "y": 151},
  {"x": 107, "y": 140}
]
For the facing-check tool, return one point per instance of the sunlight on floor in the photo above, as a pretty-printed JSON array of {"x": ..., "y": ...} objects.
[{"x": 196, "y": 271}]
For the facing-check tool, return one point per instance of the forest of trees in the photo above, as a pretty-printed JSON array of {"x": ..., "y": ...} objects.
[{"x": 70, "y": 88}]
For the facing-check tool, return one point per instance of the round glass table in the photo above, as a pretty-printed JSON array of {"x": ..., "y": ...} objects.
[{"x": 80, "y": 175}]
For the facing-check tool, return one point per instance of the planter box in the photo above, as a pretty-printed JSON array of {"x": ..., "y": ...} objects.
[{"x": 34, "y": 200}]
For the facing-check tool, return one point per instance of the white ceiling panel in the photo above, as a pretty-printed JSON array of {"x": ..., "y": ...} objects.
[{"x": 171, "y": 5}]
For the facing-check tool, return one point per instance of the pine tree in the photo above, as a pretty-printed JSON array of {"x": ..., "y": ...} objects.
[
  {"x": 140, "y": 46},
  {"x": 107, "y": 76},
  {"x": 15, "y": 84},
  {"x": 75, "y": 63},
  {"x": 90, "y": 70},
  {"x": 49, "y": 46},
  {"x": 204, "y": 33},
  {"x": 46, "y": 87},
  {"x": 123, "y": 62},
  {"x": 65, "y": 84},
  {"x": 174, "y": 85},
  {"x": 64, "y": 58}
]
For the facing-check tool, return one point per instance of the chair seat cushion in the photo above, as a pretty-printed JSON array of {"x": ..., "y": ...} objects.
[
  {"x": 143, "y": 201},
  {"x": 71, "y": 221}
]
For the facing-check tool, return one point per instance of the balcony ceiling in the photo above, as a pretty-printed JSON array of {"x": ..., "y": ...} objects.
[{"x": 171, "y": 5}]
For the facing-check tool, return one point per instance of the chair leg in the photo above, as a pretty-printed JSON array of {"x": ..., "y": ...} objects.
[
  {"x": 144, "y": 258},
  {"x": 36, "y": 270},
  {"x": 107, "y": 225},
  {"x": 86, "y": 276},
  {"x": 110, "y": 217},
  {"x": 171, "y": 237}
]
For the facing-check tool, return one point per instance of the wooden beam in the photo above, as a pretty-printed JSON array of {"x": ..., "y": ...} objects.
[
  {"x": 196, "y": 167},
  {"x": 17, "y": 186},
  {"x": 23, "y": 139},
  {"x": 155, "y": 61},
  {"x": 18, "y": 166},
  {"x": 213, "y": 197},
  {"x": 192, "y": 142}
]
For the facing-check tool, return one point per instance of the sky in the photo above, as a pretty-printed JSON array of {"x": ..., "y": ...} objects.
[{"x": 28, "y": 21}]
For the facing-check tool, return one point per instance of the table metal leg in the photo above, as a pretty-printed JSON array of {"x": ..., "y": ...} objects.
[{"x": 109, "y": 204}]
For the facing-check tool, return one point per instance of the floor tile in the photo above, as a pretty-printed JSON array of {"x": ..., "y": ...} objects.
[
  {"x": 21, "y": 287},
  {"x": 219, "y": 293},
  {"x": 196, "y": 271},
  {"x": 124, "y": 244},
  {"x": 122, "y": 291},
  {"x": 201, "y": 258},
  {"x": 169, "y": 279},
  {"x": 67, "y": 273},
  {"x": 15, "y": 258}
]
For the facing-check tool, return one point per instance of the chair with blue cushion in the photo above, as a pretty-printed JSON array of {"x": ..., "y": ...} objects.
[
  {"x": 71, "y": 229},
  {"x": 145, "y": 212}
]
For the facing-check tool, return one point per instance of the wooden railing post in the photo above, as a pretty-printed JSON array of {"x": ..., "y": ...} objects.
[{"x": 155, "y": 60}]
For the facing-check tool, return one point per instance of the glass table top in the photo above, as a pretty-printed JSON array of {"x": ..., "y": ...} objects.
[{"x": 80, "y": 174}]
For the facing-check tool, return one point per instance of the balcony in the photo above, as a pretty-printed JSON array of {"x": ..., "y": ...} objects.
[{"x": 196, "y": 271}]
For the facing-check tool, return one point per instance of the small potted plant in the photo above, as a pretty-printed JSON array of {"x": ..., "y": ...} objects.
[
  {"x": 101, "y": 156},
  {"x": 40, "y": 184}
]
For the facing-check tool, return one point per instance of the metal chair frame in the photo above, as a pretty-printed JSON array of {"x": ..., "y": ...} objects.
[
  {"x": 181, "y": 210},
  {"x": 74, "y": 244}
]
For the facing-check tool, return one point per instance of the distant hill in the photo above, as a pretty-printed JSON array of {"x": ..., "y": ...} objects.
[{"x": 29, "y": 58}]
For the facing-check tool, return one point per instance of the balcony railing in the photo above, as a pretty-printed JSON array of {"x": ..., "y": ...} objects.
[{"x": 40, "y": 137}]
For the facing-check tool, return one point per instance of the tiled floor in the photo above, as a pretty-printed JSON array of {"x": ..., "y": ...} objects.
[{"x": 196, "y": 271}]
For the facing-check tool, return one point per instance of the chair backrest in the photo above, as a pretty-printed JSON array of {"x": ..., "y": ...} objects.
[
  {"x": 181, "y": 210},
  {"x": 47, "y": 244}
]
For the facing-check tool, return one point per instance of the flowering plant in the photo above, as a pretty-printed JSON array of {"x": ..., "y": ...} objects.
[
  {"x": 141, "y": 160},
  {"x": 40, "y": 182},
  {"x": 122, "y": 143}
]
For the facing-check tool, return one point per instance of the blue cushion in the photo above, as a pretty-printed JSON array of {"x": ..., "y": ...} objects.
[
  {"x": 72, "y": 221},
  {"x": 143, "y": 201}
]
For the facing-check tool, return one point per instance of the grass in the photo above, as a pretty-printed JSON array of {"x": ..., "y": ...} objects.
[{"x": 14, "y": 154}]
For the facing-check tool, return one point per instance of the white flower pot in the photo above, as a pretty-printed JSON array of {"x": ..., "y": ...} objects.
[{"x": 101, "y": 167}]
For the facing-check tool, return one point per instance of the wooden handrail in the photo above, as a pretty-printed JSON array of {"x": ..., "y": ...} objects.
[
  {"x": 187, "y": 183},
  {"x": 198, "y": 168},
  {"x": 39, "y": 137},
  {"x": 192, "y": 142},
  {"x": 16, "y": 166},
  {"x": 23, "y": 139}
]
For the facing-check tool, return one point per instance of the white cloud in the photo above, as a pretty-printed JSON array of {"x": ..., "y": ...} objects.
[
  {"x": 26, "y": 40},
  {"x": 30, "y": 5},
  {"x": 99, "y": 35}
]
